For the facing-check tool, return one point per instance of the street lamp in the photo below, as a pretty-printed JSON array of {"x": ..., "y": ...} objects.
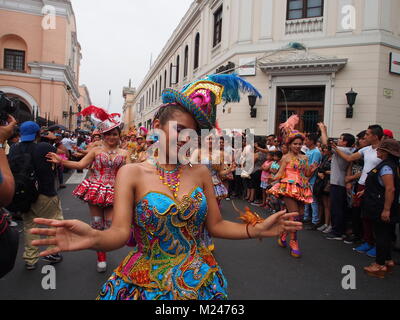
[
  {"x": 351, "y": 100},
  {"x": 252, "y": 103}
]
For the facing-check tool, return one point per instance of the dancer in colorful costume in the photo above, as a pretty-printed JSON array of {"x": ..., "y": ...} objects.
[
  {"x": 104, "y": 159},
  {"x": 171, "y": 204},
  {"x": 293, "y": 185}
]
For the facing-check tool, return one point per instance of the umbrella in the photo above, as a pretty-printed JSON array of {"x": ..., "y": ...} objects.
[{"x": 57, "y": 127}]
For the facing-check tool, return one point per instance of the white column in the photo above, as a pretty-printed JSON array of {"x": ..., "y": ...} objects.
[
  {"x": 266, "y": 19},
  {"x": 386, "y": 16},
  {"x": 246, "y": 21},
  {"x": 371, "y": 14}
]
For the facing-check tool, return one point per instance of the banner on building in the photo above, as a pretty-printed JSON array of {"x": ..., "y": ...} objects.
[
  {"x": 247, "y": 67},
  {"x": 394, "y": 63}
]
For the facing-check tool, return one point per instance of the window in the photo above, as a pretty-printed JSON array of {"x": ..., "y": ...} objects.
[
  {"x": 301, "y": 9},
  {"x": 177, "y": 69},
  {"x": 160, "y": 86},
  {"x": 217, "y": 26},
  {"x": 186, "y": 62},
  {"x": 196, "y": 51},
  {"x": 165, "y": 79},
  {"x": 170, "y": 74},
  {"x": 156, "y": 92},
  {"x": 14, "y": 60}
]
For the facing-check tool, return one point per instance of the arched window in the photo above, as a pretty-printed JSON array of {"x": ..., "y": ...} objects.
[
  {"x": 160, "y": 86},
  {"x": 186, "y": 62},
  {"x": 156, "y": 92},
  {"x": 196, "y": 51},
  {"x": 165, "y": 79},
  {"x": 177, "y": 69},
  {"x": 14, "y": 51}
]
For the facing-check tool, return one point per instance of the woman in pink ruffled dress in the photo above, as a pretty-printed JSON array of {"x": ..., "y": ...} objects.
[
  {"x": 104, "y": 160},
  {"x": 293, "y": 186}
]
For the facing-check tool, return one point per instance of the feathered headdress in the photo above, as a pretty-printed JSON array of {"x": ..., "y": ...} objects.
[
  {"x": 103, "y": 120},
  {"x": 201, "y": 97},
  {"x": 290, "y": 124}
]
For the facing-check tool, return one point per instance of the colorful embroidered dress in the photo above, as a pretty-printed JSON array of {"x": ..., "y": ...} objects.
[
  {"x": 294, "y": 184},
  {"x": 98, "y": 189},
  {"x": 170, "y": 261}
]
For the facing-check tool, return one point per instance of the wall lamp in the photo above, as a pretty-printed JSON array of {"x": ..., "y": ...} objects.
[
  {"x": 252, "y": 103},
  {"x": 351, "y": 100}
]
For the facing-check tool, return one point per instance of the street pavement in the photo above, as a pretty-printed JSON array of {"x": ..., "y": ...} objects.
[{"x": 255, "y": 270}]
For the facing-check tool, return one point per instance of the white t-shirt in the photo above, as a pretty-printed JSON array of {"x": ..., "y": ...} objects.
[
  {"x": 68, "y": 143},
  {"x": 371, "y": 160},
  {"x": 271, "y": 148}
]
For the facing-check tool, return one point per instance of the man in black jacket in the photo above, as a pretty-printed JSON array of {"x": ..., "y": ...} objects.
[{"x": 48, "y": 204}]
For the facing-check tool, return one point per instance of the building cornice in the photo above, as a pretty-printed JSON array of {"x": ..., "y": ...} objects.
[
  {"x": 55, "y": 72},
  {"x": 35, "y": 7}
]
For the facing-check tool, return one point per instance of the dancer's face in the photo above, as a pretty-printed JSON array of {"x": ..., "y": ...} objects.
[
  {"x": 296, "y": 145},
  {"x": 112, "y": 138},
  {"x": 178, "y": 122}
]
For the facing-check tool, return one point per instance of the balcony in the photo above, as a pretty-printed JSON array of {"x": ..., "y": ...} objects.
[{"x": 304, "y": 26}]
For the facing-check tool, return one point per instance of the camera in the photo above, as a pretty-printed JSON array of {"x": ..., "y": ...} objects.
[{"x": 7, "y": 106}]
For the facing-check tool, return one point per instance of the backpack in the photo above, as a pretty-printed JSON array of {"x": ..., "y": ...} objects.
[{"x": 26, "y": 184}]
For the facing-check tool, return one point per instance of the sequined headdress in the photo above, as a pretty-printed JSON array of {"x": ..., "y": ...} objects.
[
  {"x": 202, "y": 97},
  {"x": 104, "y": 121}
]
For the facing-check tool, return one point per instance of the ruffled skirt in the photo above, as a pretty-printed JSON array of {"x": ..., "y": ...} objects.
[
  {"x": 95, "y": 193},
  {"x": 117, "y": 289},
  {"x": 292, "y": 190}
]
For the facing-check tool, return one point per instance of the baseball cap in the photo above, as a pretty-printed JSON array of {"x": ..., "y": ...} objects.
[
  {"x": 388, "y": 133},
  {"x": 28, "y": 131}
]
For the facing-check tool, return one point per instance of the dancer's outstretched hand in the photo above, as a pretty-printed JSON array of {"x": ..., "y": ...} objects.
[
  {"x": 53, "y": 158},
  {"x": 65, "y": 235},
  {"x": 278, "y": 223}
]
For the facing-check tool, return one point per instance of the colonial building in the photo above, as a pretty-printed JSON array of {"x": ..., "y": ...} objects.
[
  {"x": 40, "y": 58},
  {"x": 303, "y": 55}
]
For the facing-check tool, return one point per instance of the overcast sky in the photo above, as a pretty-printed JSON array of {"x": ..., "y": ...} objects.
[{"x": 117, "y": 40}]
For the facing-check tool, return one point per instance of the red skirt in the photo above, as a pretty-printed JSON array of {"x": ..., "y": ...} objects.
[{"x": 95, "y": 193}]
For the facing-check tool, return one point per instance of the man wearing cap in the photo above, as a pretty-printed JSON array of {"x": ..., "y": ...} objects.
[{"x": 48, "y": 204}]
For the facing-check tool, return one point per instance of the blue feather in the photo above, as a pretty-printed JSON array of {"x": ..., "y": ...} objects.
[{"x": 234, "y": 85}]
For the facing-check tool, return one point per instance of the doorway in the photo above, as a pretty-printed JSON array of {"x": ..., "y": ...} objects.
[{"x": 306, "y": 102}]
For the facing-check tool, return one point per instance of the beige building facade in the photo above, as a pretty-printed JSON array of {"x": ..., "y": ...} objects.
[
  {"x": 302, "y": 55},
  {"x": 40, "y": 58}
]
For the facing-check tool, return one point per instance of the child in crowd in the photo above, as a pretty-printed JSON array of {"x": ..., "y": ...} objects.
[
  {"x": 265, "y": 177},
  {"x": 274, "y": 203}
]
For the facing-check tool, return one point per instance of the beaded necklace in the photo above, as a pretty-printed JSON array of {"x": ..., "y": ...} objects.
[
  {"x": 170, "y": 178},
  {"x": 110, "y": 153}
]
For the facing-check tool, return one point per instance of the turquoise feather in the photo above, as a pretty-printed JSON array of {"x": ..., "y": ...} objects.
[{"x": 233, "y": 86}]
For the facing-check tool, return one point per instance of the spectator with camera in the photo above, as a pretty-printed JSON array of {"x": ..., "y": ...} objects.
[
  {"x": 8, "y": 236},
  {"x": 369, "y": 154},
  {"x": 338, "y": 191},
  {"x": 6, "y": 177}
]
